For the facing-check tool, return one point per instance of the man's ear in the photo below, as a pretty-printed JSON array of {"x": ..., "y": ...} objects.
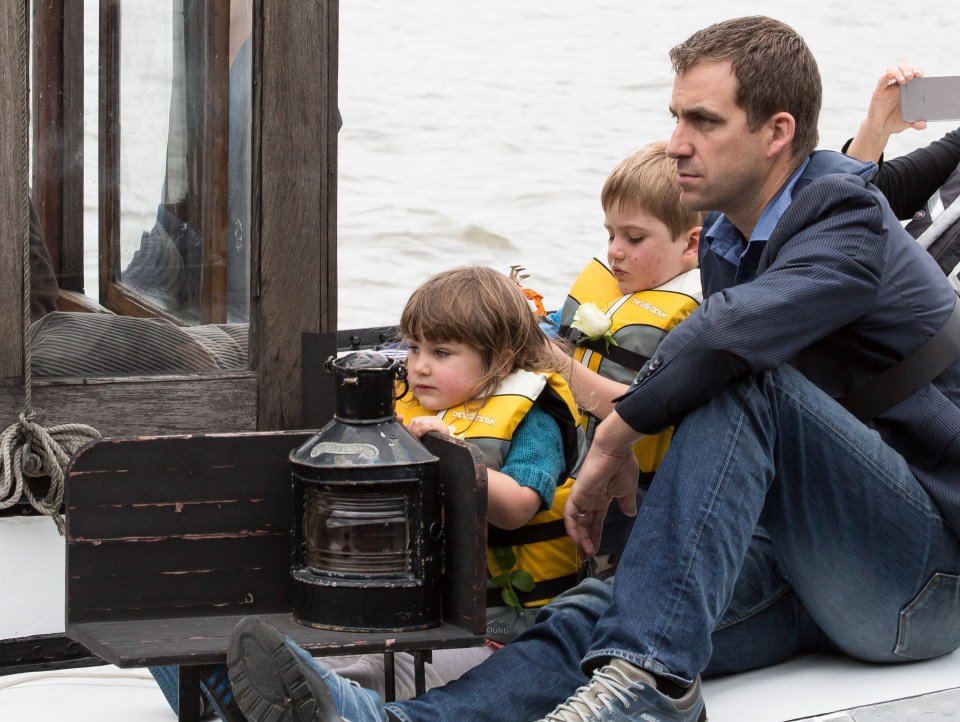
[{"x": 782, "y": 127}]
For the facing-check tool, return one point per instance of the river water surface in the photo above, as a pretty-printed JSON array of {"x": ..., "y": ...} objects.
[{"x": 482, "y": 132}]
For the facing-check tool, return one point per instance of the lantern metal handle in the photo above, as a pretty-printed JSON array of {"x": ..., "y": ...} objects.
[{"x": 401, "y": 371}]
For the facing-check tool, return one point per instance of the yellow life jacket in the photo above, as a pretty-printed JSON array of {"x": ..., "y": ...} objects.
[
  {"x": 639, "y": 322},
  {"x": 541, "y": 546}
]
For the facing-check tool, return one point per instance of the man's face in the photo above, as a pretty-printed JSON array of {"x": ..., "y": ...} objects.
[{"x": 721, "y": 164}]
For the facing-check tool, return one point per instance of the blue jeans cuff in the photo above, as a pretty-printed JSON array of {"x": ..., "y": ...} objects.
[{"x": 597, "y": 657}]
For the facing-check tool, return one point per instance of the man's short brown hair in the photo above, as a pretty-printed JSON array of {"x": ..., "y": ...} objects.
[
  {"x": 647, "y": 179},
  {"x": 774, "y": 69}
]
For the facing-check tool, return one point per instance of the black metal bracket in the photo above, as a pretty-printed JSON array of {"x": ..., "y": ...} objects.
[{"x": 43, "y": 652}]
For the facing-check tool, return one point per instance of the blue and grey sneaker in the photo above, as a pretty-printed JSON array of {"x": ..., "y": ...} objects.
[
  {"x": 621, "y": 692},
  {"x": 274, "y": 680},
  {"x": 216, "y": 697}
]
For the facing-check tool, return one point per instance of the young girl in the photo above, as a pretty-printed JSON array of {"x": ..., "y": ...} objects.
[{"x": 480, "y": 368}]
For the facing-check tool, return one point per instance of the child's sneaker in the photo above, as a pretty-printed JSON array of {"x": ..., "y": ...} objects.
[
  {"x": 276, "y": 681},
  {"x": 219, "y": 695},
  {"x": 621, "y": 692}
]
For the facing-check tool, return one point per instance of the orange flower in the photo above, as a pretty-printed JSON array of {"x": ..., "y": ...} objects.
[{"x": 536, "y": 302}]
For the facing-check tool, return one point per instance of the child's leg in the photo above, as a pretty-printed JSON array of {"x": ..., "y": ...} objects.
[
  {"x": 368, "y": 669},
  {"x": 447, "y": 665},
  {"x": 216, "y": 698}
]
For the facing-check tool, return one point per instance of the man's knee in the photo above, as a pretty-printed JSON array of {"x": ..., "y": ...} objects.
[{"x": 585, "y": 602}]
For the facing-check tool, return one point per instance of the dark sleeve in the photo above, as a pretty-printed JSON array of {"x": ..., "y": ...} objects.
[
  {"x": 910, "y": 180},
  {"x": 825, "y": 275},
  {"x": 43, "y": 283}
]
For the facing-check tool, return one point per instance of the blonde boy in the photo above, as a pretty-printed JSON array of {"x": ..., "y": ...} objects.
[{"x": 618, "y": 312}]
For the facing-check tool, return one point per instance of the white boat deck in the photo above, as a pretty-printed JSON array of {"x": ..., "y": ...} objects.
[
  {"x": 812, "y": 687},
  {"x": 816, "y": 688}
]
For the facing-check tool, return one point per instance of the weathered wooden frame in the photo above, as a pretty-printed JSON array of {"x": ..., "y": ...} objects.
[{"x": 293, "y": 249}]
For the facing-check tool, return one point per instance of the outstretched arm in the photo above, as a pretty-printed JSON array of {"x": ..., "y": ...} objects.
[
  {"x": 592, "y": 392},
  {"x": 883, "y": 117},
  {"x": 910, "y": 180}
]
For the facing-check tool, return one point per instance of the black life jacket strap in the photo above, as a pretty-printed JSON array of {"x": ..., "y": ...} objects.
[
  {"x": 545, "y": 589},
  {"x": 645, "y": 478},
  {"x": 619, "y": 355},
  {"x": 530, "y": 534},
  {"x": 906, "y": 377}
]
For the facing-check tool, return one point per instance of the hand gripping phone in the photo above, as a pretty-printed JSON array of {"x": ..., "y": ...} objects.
[{"x": 933, "y": 98}]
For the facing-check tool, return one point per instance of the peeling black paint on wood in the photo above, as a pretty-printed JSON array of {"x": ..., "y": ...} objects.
[{"x": 172, "y": 540}]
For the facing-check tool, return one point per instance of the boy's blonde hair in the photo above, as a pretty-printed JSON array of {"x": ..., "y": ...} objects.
[
  {"x": 482, "y": 308},
  {"x": 648, "y": 180}
]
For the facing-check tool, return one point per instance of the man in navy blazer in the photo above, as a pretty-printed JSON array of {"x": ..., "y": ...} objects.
[
  {"x": 811, "y": 288},
  {"x": 778, "y": 521}
]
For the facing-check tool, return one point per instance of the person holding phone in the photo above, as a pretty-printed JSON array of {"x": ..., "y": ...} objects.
[{"x": 922, "y": 185}]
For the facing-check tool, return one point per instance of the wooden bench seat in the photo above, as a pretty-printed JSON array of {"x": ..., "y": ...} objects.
[{"x": 172, "y": 540}]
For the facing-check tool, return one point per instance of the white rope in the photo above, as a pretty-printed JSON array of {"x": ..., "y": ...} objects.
[
  {"x": 28, "y": 449},
  {"x": 71, "y": 676}
]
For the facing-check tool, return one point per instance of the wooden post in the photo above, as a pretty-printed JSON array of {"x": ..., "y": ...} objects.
[
  {"x": 298, "y": 191},
  {"x": 215, "y": 141},
  {"x": 13, "y": 110},
  {"x": 108, "y": 163},
  {"x": 58, "y": 135}
]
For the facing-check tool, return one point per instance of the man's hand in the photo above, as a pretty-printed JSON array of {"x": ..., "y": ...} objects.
[{"x": 609, "y": 471}]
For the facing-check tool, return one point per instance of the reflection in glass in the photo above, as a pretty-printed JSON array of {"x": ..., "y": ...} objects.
[
  {"x": 176, "y": 297},
  {"x": 356, "y": 533},
  {"x": 194, "y": 261}
]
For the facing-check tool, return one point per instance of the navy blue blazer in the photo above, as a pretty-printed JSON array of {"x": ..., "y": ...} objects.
[{"x": 842, "y": 292}]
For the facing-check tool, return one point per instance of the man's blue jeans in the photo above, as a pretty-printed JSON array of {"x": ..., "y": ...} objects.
[{"x": 776, "y": 524}]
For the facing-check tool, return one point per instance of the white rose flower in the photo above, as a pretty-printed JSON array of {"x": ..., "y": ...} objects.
[
  {"x": 593, "y": 323},
  {"x": 590, "y": 321}
]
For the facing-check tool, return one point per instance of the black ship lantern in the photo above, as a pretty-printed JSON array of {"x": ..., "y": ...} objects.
[{"x": 367, "y": 523}]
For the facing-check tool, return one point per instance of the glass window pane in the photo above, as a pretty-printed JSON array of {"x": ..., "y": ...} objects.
[
  {"x": 185, "y": 158},
  {"x": 180, "y": 294}
]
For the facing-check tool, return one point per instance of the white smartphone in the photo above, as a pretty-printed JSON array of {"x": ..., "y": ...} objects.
[{"x": 933, "y": 98}]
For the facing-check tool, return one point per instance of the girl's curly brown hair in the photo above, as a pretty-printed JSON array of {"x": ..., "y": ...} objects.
[{"x": 482, "y": 308}]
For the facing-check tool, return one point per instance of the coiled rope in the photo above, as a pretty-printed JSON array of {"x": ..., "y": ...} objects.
[{"x": 27, "y": 449}]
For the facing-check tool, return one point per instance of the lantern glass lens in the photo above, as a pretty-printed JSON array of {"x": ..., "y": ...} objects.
[{"x": 356, "y": 534}]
